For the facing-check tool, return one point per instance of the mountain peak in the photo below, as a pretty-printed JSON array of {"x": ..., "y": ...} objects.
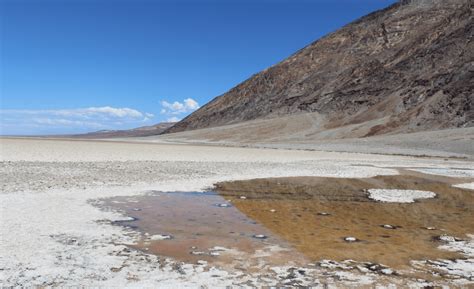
[{"x": 396, "y": 70}]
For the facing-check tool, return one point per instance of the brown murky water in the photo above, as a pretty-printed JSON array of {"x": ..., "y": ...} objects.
[
  {"x": 303, "y": 219},
  {"x": 316, "y": 214},
  {"x": 202, "y": 226}
]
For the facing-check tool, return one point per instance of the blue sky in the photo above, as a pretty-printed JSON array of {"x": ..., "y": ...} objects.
[{"x": 73, "y": 66}]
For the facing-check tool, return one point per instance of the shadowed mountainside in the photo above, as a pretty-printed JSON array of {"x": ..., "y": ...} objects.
[{"x": 405, "y": 68}]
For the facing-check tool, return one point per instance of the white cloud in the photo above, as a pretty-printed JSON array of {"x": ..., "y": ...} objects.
[
  {"x": 191, "y": 104},
  {"x": 70, "y": 120},
  {"x": 105, "y": 111},
  {"x": 114, "y": 112},
  {"x": 178, "y": 108},
  {"x": 175, "y": 107},
  {"x": 173, "y": 119}
]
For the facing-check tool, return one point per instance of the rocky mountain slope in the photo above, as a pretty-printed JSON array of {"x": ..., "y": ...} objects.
[{"x": 405, "y": 68}]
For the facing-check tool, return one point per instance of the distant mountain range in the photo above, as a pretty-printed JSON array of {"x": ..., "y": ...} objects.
[
  {"x": 136, "y": 132},
  {"x": 406, "y": 68}
]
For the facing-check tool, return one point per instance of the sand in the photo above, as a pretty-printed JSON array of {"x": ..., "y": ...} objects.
[{"x": 51, "y": 234}]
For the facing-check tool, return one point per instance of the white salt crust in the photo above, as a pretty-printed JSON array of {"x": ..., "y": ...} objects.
[
  {"x": 469, "y": 186},
  {"x": 52, "y": 235},
  {"x": 399, "y": 196}
]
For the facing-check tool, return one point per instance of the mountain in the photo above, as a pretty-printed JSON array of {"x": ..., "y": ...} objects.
[
  {"x": 406, "y": 68},
  {"x": 136, "y": 132}
]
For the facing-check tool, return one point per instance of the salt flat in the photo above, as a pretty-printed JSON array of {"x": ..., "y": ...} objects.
[{"x": 52, "y": 235}]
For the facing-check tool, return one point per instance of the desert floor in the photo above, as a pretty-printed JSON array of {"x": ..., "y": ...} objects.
[{"x": 58, "y": 228}]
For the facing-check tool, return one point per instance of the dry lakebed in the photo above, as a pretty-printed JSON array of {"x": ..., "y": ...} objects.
[{"x": 130, "y": 214}]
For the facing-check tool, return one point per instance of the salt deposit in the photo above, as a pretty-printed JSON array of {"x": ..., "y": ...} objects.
[
  {"x": 53, "y": 236},
  {"x": 160, "y": 237},
  {"x": 469, "y": 186},
  {"x": 399, "y": 196}
]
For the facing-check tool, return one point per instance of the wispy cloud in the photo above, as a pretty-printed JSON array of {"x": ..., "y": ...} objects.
[
  {"x": 14, "y": 121},
  {"x": 176, "y": 110},
  {"x": 103, "y": 112},
  {"x": 173, "y": 119}
]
